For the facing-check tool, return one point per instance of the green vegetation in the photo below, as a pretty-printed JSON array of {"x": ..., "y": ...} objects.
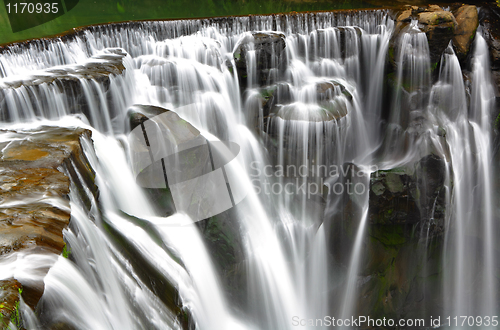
[
  {"x": 15, "y": 315},
  {"x": 88, "y": 12},
  {"x": 66, "y": 251}
]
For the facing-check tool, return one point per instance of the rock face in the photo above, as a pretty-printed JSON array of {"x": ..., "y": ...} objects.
[
  {"x": 490, "y": 21},
  {"x": 269, "y": 50},
  {"x": 36, "y": 168},
  {"x": 404, "y": 238}
]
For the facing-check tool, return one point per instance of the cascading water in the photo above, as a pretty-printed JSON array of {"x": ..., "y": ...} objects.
[{"x": 312, "y": 103}]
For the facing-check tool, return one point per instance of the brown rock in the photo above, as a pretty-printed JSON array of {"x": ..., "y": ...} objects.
[
  {"x": 34, "y": 203},
  {"x": 434, "y": 8},
  {"x": 468, "y": 21},
  {"x": 404, "y": 16},
  {"x": 436, "y": 17}
]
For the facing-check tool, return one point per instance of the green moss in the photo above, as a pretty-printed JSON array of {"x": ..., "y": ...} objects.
[
  {"x": 391, "y": 52},
  {"x": 391, "y": 236},
  {"x": 497, "y": 120},
  {"x": 66, "y": 251}
]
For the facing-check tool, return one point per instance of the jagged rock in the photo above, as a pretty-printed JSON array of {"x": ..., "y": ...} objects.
[
  {"x": 270, "y": 57},
  {"x": 467, "y": 23},
  {"x": 34, "y": 188}
]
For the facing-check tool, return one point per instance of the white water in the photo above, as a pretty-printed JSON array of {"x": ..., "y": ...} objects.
[{"x": 184, "y": 66}]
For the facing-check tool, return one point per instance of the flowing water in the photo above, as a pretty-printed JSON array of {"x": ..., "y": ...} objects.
[{"x": 328, "y": 112}]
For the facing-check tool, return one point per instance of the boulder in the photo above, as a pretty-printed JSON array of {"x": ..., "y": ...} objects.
[
  {"x": 439, "y": 26},
  {"x": 467, "y": 23},
  {"x": 270, "y": 58}
]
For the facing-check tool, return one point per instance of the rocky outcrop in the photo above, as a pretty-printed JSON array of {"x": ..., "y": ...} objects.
[
  {"x": 36, "y": 168},
  {"x": 270, "y": 58}
]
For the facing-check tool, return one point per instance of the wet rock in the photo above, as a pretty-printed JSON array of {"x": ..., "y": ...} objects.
[
  {"x": 223, "y": 237},
  {"x": 10, "y": 290},
  {"x": 410, "y": 196},
  {"x": 270, "y": 58},
  {"x": 467, "y": 23},
  {"x": 36, "y": 169}
]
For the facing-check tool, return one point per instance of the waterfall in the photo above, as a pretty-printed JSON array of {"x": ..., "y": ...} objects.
[
  {"x": 471, "y": 214},
  {"x": 303, "y": 96}
]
